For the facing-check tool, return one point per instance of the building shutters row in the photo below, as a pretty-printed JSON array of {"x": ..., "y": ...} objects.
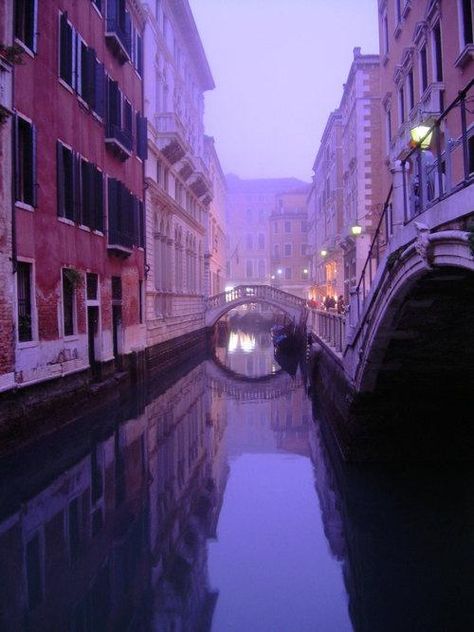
[
  {"x": 125, "y": 214},
  {"x": 80, "y": 68},
  {"x": 120, "y": 121},
  {"x": 80, "y": 189}
]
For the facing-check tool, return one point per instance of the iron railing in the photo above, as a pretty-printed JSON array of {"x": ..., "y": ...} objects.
[{"x": 429, "y": 177}]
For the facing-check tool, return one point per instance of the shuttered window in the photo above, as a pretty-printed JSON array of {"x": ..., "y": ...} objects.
[
  {"x": 79, "y": 67},
  {"x": 25, "y": 161},
  {"x": 80, "y": 189},
  {"x": 125, "y": 216},
  {"x": 142, "y": 141},
  {"x": 25, "y": 22}
]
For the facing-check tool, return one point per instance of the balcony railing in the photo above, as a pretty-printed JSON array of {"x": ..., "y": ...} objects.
[
  {"x": 119, "y": 38},
  {"x": 119, "y": 140},
  {"x": 430, "y": 175}
]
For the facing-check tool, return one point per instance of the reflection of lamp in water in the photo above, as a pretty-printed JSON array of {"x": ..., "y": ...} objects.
[
  {"x": 233, "y": 342},
  {"x": 247, "y": 342}
]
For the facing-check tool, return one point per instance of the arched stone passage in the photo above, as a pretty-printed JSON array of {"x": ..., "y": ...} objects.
[
  {"x": 421, "y": 368},
  {"x": 293, "y": 306}
]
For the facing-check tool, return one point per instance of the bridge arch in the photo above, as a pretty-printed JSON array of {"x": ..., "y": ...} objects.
[
  {"x": 418, "y": 293},
  {"x": 415, "y": 375},
  {"x": 293, "y": 306}
]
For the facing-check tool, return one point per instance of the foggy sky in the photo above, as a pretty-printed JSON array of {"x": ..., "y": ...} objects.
[{"x": 279, "y": 66}]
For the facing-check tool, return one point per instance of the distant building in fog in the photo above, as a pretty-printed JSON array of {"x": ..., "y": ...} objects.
[
  {"x": 215, "y": 257},
  {"x": 249, "y": 206},
  {"x": 346, "y": 197},
  {"x": 289, "y": 259}
]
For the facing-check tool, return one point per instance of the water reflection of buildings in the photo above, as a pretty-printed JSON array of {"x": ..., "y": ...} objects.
[
  {"x": 248, "y": 353},
  {"x": 117, "y": 540},
  {"x": 405, "y": 536}
]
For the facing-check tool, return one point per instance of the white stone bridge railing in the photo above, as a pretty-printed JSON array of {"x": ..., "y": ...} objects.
[
  {"x": 219, "y": 304},
  {"x": 329, "y": 326}
]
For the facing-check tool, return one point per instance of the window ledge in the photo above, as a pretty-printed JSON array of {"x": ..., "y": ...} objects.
[
  {"x": 65, "y": 85},
  {"x": 27, "y": 344},
  {"x": 66, "y": 220},
  {"x": 466, "y": 55},
  {"x": 24, "y": 206},
  {"x": 26, "y": 48},
  {"x": 71, "y": 338}
]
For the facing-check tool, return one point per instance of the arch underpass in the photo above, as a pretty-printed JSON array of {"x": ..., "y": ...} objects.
[{"x": 414, "y": 355}]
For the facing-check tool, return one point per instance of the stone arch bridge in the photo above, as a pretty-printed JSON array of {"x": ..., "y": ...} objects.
[{"x": 220, "y": 304}]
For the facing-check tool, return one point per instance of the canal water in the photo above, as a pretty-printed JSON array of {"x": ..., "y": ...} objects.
[{"x": 218, "y": 502}]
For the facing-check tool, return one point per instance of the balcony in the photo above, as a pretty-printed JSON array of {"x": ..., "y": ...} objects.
[
  {"x": 120, "y": 243},
  {"x": 118, "y": 38},
  {"x": 171, "y": 136},
  {"x": 201, "y": 185},
  {"x": 119, "y": 141}
]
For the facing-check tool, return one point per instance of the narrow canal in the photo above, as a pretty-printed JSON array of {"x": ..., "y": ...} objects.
[{"x": 218, "y": 503}]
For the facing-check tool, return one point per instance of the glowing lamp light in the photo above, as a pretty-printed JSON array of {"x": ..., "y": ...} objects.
[
  {"x": 279, "y": 271},
  {"x": 421, "y": 136},
  {"x": 305, "y": 271},
  {"x": 324, "y": 253},
  {"x": 356, "y": 229}
]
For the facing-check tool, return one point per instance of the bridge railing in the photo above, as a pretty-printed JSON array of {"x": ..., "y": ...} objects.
[
  {"x": 254, "y": 292},
  {"x": 329, "y": 326}
]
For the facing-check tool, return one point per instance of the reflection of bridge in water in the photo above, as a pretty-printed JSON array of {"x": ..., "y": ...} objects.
[{"x": 221, "y": 379}]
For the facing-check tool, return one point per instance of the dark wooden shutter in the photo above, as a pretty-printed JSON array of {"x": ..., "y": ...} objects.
[
  {"x": 76, "y": 188},
  {"x": 60, "y": 178},
  {"x": 113, "y": 105},
  {"x": 87, "y": 198},
  {"x": 142, "y": 141},
  {"x": 99, "y": 200},
  {"x": 139, "y": 45},
  {"x": 127, "y": 119},
  {"x": 99, "y": 89},
  {"x": 34, "y": 184},
  {"x": 112, "y": 209},
  {"x": 112, "y": 13},
  {"x": 16, "y": 157},
  {"x": 65, "y": 50},
  {"x": 26, "y": 138}
]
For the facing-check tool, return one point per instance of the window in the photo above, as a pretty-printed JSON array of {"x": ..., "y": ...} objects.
[
  {"x": 249, "y": 242},
  {"x": 249, "y": 214},
  {"x": 276, "y": 251},
  {"x": 125, "y": 216},
  {"x": 304, "y": 226},
  {"x": 467, "y": 12},
  {"x": 287, "y": 273},
  {"x": 401, "y": 104},
  {"x": 25, "y": 161},
  {"x": 140, "y": 301},
  {"x": 304, "y": 249},
  {"x": 411, "y": 90},
  {"x": 386, "y": 48},
  {"x": 24, "y": 301},
  {"x": 25, "y": 22},
  {"x": 249, "y": 270},
  {"x": 287, "y": 250},
  {"x": 423, "y": 69},
  {"x": 74, "y": 533},
  {"x": 438, "y": 52},
  {"x": 34, "y": 571},
  {"x": 159, "y": 172},
  {"x": 470, "y": 147},
  {"x": 136, "y": 50},
  {"x": 69, "y": 279},
  {"x": 92, "y": 286},
  {"x": 80, "y": 189},
  {"x": 261, "y": 241},
  {"x": 389, "y": 126},
  {"x": 287, "y": 227},
  {"x": 261, "y": 269},
  {"x": 79, "y": 67},
  {"x": 398, "y": 8},
  {"x": 275, "y": 227}
]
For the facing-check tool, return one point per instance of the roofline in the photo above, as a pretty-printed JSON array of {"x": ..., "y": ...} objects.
[{"x": 184, "y": 15}]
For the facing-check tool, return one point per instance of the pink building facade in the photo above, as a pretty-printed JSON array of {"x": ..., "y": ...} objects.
[{"x": 79, "y": 143}]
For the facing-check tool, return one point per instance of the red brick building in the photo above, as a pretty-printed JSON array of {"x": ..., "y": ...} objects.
[{"x": 80, "y": 142}]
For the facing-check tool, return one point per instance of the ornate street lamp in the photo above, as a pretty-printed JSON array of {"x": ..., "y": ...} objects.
[
  {"x": 421, "y": 135},
  {"x": 356, "y": 229},
  {"x": 324, "y": 253}
]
